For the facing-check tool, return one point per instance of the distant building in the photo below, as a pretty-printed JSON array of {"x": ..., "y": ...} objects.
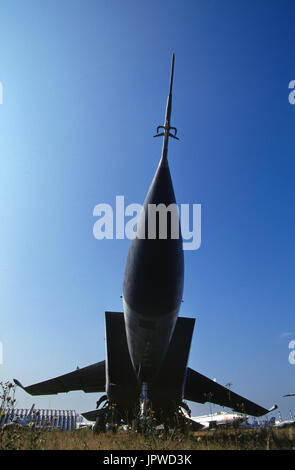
[{"x": 65, "y": 420}]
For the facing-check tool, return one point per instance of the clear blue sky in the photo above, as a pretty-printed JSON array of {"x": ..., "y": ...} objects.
[{"x": 84, "y": 87}]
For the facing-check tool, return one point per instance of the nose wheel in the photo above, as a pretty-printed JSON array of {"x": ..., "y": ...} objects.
[{"x": 144, "y": 401}]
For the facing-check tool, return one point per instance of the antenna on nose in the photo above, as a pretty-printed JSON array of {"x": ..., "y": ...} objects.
[
  {"x": 171, "y": 75},
  {"x": 167, "y": 128}
]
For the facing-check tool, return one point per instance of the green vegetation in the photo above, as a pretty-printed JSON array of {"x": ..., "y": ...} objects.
[
  {"x": 17, "y": 438},
  {"x": 7, "y": 394}
]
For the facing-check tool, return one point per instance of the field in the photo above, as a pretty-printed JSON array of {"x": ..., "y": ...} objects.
[{"x": 13, "y": 438}]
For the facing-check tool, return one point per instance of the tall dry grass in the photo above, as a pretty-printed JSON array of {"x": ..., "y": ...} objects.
[{"x": 221, "y": 439}]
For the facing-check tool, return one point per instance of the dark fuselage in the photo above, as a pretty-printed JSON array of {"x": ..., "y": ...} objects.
[{"x": 153, "y": 281}]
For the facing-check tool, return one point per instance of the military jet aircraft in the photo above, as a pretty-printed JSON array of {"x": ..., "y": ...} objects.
[
  {"x": 221, "y": 418},
  {"x": 147, "y": 346}
]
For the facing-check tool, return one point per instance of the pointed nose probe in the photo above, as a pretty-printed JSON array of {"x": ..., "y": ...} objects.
[{"x": 167, "y": 128}]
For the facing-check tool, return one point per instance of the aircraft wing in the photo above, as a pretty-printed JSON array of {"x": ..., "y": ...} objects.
[
  {"x": 89, "y": 379},
  {"x": 201, "y": 389}
]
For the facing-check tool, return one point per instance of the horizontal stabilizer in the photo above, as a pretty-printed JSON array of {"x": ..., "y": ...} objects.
[
  {"x": 89, "y": 379},
  {"x": 200, "y": 389},
  {"x": 92, "y": 415}
]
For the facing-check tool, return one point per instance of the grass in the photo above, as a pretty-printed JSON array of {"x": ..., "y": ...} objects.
[
  {"x": 31, "y": 438},
  {"x": 15, "y": 438}
]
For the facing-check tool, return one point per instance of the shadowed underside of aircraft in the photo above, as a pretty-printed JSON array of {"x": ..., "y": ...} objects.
[{"x": 147, "y": 345}]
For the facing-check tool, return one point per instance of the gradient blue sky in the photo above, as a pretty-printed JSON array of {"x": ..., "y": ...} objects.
[{"x": 84, "y": 87}]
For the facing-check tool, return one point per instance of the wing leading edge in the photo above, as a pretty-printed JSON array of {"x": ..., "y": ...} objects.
[
  {"x": 200, "y": 389},
  {"x": 89, "y": 379}
]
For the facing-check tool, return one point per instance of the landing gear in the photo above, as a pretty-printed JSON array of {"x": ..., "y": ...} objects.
[
  {"x": 108, "y": 417},
  {"x": 144, "y": 401},
  {"x": 100, "y": 424},
  {"x": 102, "y": 417},
  {"x": 145, "y": 417}
]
